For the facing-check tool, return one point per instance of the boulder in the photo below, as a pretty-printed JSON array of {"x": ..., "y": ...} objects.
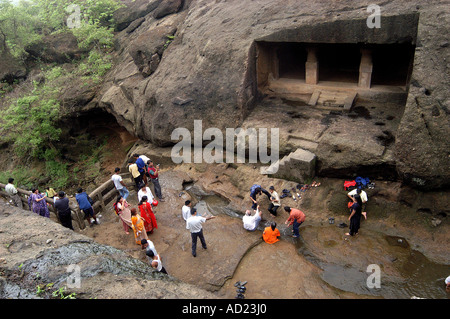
[
  {"x": 11, "y": 69},
  {"x": 132, "y": 11},
  {"x": 56, "y": 48}
]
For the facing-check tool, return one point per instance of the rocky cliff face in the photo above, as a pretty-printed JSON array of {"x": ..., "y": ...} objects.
[
  {"x": 197, "y": 61},
  {"x": 177, "y": 61}
]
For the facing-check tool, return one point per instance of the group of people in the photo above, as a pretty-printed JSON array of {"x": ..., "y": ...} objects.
[
  {"x": 143, "y": 171},
  {"x": 271, "y": 233},
  {"x": 37, "y": 203}
]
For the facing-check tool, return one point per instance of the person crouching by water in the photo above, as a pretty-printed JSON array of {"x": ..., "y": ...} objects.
[
  {"x": 296, "y": 218},
  {"x": 355, "y": 216}
]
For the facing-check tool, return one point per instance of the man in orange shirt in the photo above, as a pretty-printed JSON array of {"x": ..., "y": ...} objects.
[
  {"x": 296, "y": 218},
  {"x": 271, "y": 234}
]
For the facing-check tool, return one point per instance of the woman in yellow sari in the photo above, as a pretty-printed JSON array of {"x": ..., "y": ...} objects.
[{"x": 137, "y": 223}]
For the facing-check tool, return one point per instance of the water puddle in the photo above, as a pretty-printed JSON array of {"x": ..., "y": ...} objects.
[{"x": 209, "y": 203}]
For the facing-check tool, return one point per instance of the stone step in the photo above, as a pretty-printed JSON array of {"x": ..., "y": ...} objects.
[{"x": 298, "y": 166}]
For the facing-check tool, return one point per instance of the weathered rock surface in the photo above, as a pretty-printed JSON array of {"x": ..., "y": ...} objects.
[
  {"x": 208, "y": 72},
  {"x": 41, "y": 255}
]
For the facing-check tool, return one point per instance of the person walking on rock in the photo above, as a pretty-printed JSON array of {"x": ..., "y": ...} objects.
[
  {"x": 137, "y": 224},
  {"x": 186, "y": 209},
  {"x": 355, "y": 216},
  {"x": 119, "y": 183},
  {"x": 133, "y": 169},
  {"x": 147, "y": 214},
  {"x": 145, "y": 191},
  {"x": 296, "y": 218},
  {"x": 85, "y": 205},
  {"x": 364, "y": 199},
  {"x": 124, "y": 213},
  {"x": 194, "y": 225},
  {"x": 63, "y": 209},
  {"x": 13, "y": 193}
]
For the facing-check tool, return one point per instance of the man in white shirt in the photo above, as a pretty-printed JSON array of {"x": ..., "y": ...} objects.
[
  {"x": 251, "y": 222},
  {"x": 119, "y": 184},
  {"x": 13, "y": 194},
  {"x": 186, "y": 210},
  {"x": 364, "y": 199},
  {"x": 194, "y": 224},
  {"x": 275, "y": 201}
]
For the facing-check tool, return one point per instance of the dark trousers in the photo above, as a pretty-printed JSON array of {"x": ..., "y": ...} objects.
[
  {"x": 138, "y": 181},
  {"x": 194, "y": 237},
  {"x": 66, "y": 219},
  {"x": 155, "y": 182},
  {"x": 355, "y": 223},
  {"x": 254, "y": 197},
  {"x": 273, "y": 209}
]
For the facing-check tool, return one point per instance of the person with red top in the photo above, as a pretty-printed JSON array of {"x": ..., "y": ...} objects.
[
  {"x": 296, "y": 218},
  {"x": 153, "y": 172},
  {"x": 147, "y": 215}
]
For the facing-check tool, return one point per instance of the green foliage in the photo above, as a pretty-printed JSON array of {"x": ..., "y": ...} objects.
[
  {"x": 29, "y": 124},
  {"x": 93, "y": 34},
  {"x": 95, "y": 66},
  {"x": 23, "y": 177}
]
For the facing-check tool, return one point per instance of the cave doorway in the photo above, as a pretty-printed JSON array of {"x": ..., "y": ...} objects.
[
  {"x": 373, "y": 71},
  {"x": 94, "y": 138}
]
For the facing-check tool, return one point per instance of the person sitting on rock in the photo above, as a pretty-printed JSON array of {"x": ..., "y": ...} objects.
[
  {"x": 271, "y": 234},
  {"x": 251, "y": 222}
]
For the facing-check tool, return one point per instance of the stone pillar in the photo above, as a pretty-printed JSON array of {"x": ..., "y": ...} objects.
[
  {"x": 365, "y": 69},
  {"x": 311, "y": 67}
]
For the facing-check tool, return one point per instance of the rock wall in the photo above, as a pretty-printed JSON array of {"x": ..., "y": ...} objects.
[
  {"x": 197, "y": 61},
  {"x": 181, "y": 60}
]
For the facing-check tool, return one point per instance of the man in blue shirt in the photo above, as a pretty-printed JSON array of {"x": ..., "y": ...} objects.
[
  {"x": 257, "y": 190},
  {"x": 86, "y": 207},
  {"x": 141, "y": 167}
]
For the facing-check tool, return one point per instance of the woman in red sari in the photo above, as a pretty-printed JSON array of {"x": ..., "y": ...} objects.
[{"x": 147, "y": 214}]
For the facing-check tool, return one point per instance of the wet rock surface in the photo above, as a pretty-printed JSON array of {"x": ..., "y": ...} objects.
[{"x": 322, "y": 263}]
